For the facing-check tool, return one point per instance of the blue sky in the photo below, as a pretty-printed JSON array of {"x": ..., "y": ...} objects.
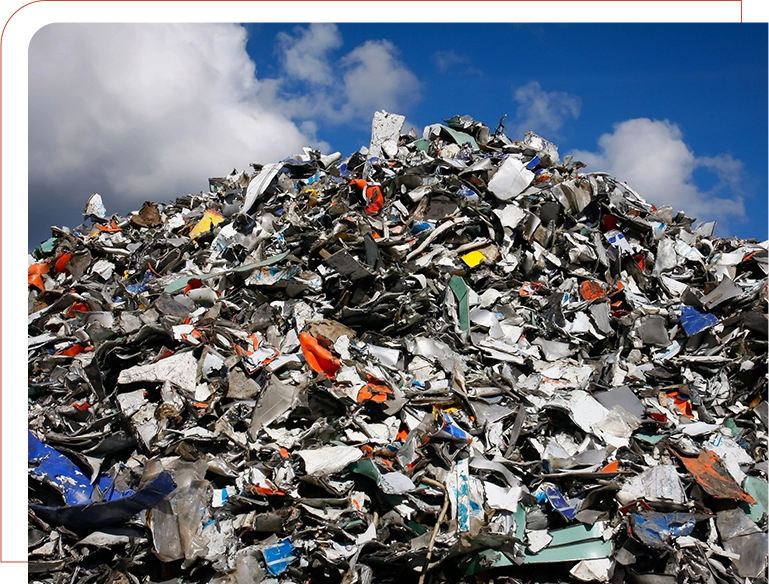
[{"x": 677, "y": 110}]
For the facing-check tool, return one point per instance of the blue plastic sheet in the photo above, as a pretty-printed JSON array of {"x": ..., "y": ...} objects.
[
  {"x": 55, "y": 469},
  {"x": 118, "y": 510},
  {"x": 80, "y": 511},
  {"x": 450, "y": 427},
  {"x": 278, "y": 556},
  {"x": 533, "y": 164},
  {"x": 655, "y": 529},
  {"x": 694, "y": 320},
  {"x": 566, "y": 508},
  {"x": 420, "y": 226}
]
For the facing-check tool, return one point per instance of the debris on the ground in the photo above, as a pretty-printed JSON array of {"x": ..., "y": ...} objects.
[{"x": 452, "y": 357}]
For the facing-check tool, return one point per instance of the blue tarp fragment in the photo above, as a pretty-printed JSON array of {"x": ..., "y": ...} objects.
[
  {"x": 96, "y": 515},
  {"x": 694, "y": 320},
  {"x": 55, "y": 469},
  {"x": 80, "y": 512},
  {"x": 654, "y": 529}
]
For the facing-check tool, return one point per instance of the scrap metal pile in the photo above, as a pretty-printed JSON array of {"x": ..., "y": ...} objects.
[{"x": 453, "y": 358}]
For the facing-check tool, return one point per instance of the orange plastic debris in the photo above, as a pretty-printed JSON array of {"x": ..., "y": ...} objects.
[
  {"x": 149, "y": 265},
  {"x": 72, "y": 351},
  {"x": 373, "y": 391},
  {"x": 269, "y": 360},
  {"x": 373, "y": 194},
  {"x": 77, "y": 307},
  {"x": 364, "y": 394},
  {"x": 709, "y": 471},
  {"x": 529, "y": 288},
  {"x": 684, "y": 405},
  {"x": 266, "y": 491},
  {"x": 374, "y": 198},
  {"x": 368, "y": 452},
  {"x": 193, "y": 284},
  {"x": 750, "y": 255},
  {"x": 591, "y": 290},
  {"x": 34, "y": 275},
  {"x": 111, "y": 228},
  {"x": 61, "y": 263},
  {"x": 611, "y": 467},
  {"x": 284, "y": 453},
  {"x": 318, "y": 358}
]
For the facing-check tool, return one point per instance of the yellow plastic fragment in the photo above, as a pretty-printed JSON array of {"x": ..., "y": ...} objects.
[
  {"x": 473, "y": 258},
  {"x": 210, "y": 218}
]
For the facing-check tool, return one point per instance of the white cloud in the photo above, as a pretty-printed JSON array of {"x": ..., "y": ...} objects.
[
  {"x": 375, "y": 79},
  {"x": 445, "y": 60},
  {"x": 146, "y": 111},
  {"x": 305, "y": 56},
  {"x": 543, "y": 112},
  {"x": 150, "y": 111},
  {"x": 314, "y": 84},
  {"x": 652, "y": 157}
]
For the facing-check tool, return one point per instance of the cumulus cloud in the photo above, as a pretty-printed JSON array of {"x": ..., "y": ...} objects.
[
  {"x": 143, "y": 112},
  {"x": 338, "y": 89},
  {"x": 652, "y": 157},
  {"x": 543, "y": 112},
  {"x": 150, "y": 111},
  {"x": 305, "y": 55},
  {"x": 374, "y": 78}
]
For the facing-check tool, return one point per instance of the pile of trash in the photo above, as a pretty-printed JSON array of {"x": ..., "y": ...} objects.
[{"x": 453, "y": 358}]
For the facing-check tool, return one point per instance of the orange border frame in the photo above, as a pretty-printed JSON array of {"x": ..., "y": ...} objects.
[{"x": 15, "y": 35}]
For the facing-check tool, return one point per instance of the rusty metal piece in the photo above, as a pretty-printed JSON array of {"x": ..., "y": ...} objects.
[{"x": 710, "y": 473}]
